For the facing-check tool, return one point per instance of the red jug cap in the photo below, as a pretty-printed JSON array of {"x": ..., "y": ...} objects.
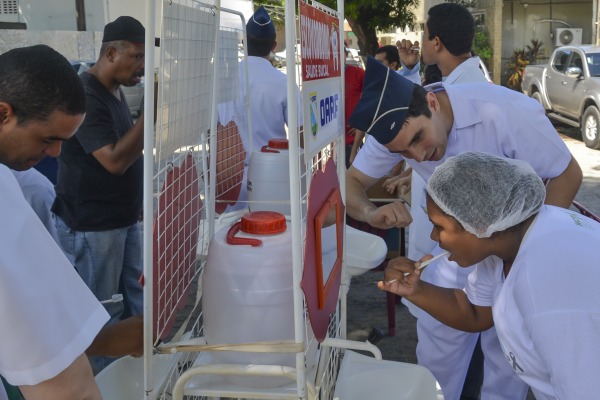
[
  {"x": 279, "y": 144},
  {"x": 263, "y": 223}
]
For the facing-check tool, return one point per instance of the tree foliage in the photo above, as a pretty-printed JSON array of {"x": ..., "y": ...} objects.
[{"x": 366, "y": 17}]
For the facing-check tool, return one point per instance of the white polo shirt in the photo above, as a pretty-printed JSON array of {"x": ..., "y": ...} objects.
[
  {"x": 547, "y": 310},
  {"x": 48, "y": 316}
]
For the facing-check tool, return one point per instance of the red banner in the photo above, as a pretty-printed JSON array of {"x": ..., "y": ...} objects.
[{"x": 320, "y": 44}]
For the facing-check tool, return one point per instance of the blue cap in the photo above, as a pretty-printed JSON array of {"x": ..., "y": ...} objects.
[
  {"x": 260, "y": 25},
  {"x": 383, "y": 106}
]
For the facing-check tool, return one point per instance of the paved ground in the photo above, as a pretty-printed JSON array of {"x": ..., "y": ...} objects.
[{"x": 367, "y": 305}]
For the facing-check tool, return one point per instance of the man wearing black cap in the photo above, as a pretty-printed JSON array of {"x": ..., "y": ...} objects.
[
  {"x": 99, "y": 189},
  {"x": 426, "y": 127}
]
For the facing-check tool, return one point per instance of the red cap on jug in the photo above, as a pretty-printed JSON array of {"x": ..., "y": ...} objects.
[
  {"x": 280, "y": 144},
  {"x": 263, "y": 223}
]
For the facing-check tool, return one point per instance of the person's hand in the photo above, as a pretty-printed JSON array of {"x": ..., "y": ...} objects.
[
  {"x": 393, "y": 215},
  {"x": 395, "y": 281},
  {"x": 399, "y": 184},
  {"x": 409, "y": 52}
]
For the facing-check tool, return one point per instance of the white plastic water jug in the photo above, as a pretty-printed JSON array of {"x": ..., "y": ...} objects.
[
  {"x": 247, "y": 292},
  {"x": 269, "y": 178}
]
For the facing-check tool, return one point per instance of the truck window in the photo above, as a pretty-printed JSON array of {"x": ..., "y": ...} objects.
[
  {"x": 576, "y": 61},
  {"x": 560, "y": 60},
  {"x": 593, "y": 62}
]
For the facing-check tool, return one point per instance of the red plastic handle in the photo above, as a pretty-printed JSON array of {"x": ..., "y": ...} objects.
[
  {"x": 266, "y": 149},
  {"x": 238, "y": 241}
]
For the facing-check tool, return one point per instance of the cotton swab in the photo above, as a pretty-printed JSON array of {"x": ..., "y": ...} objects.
[{"x": 422, "y": 265}]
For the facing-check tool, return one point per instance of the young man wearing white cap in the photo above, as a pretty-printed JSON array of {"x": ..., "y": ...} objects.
[{"x": 426, "y": 127}]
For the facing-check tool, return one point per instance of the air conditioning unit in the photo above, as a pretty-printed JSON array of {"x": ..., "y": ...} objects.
[{"x": 567, "y": 36}]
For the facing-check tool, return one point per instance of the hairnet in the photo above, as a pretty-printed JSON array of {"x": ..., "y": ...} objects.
[{"x": 486, "y": 193}]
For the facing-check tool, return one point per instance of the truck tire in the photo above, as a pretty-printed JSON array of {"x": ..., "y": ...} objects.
[
  {"x": 590, "y": 127},
  {"x": 538, "y": 97}
]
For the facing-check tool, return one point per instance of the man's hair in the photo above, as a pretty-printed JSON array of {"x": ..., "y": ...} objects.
[
  {"x": 36, "y": 81},
  {"x": 418, "y": 105},
  {"x": 260, "y": 47},
  {"x": 454, "y": 25},
  {"x": 120, "y": 45},
  {"x": 431, "y": 74},
  {"x": 391, "y": 54}
]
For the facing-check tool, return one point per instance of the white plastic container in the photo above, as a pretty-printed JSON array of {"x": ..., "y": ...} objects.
[
  {"x": 269, "y": 178},
  {"x": 247, "y": 292}
]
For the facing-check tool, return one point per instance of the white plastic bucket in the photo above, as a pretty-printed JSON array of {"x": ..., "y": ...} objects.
[
  {"x": 247, "y": 292},
  {"x": 269, "y": 178}
]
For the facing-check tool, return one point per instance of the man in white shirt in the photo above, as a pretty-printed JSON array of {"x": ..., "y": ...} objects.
[
  {"x": 266, "y": 93},
  {"x": 447, "y": 41},
  {"x": 49, "y": 316},
  {"x": 405, "y": 120}
]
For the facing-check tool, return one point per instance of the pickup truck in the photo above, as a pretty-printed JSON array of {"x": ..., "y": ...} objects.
[{"x": 568, "y": 87}]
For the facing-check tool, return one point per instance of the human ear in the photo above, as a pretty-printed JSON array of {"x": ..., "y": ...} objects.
[
  {"x": 432, "y": 101},
  {"x": 6, "y": 112}
]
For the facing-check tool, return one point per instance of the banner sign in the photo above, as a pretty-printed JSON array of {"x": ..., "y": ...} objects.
[
  {"x": 320, "y": 44},
  {"x": 322, "y": 100}
]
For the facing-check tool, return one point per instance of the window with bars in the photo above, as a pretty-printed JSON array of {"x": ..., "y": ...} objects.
[{"x": 9, "y": 6}]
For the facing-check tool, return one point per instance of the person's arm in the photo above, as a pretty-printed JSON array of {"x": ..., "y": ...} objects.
[
  {"x": 359, "y": 136},
  {"x": 121, "y": 339},
  {"x": 561, "y": 191},
  {"x": 449, "y": 306},
  {"x": 117, "y": 157},
  {"x": 76, "y": 382},
  {"x": 361, "y": 208}
]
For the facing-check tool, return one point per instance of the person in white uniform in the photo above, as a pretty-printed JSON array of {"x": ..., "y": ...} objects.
[
  {"x": 536, "y": 277},
  {"x": 426, "y": 127},
  {"x": 49, "y": 316},
  {"x": 267, "y": 93},
  {"x": 447, "y": 41}
]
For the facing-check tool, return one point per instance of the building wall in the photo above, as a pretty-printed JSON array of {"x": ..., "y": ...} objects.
[
  {"x": 71, "y": 44},
  {"x": 525, "y": 20}
]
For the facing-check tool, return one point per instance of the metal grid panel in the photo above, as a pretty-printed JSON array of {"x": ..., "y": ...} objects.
[
  {"x": 185, "y": 88},
  {"x": 183, "y": 131}
]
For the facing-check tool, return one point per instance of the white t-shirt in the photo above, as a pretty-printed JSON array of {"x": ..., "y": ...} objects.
[
  {"x": 48, "y": 316},
  {"x": 268, "y": 103},
  {"x": 547, "y": 310}
]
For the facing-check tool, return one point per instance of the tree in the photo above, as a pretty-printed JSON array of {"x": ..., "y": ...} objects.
[{"x": 365, "y": 17}]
